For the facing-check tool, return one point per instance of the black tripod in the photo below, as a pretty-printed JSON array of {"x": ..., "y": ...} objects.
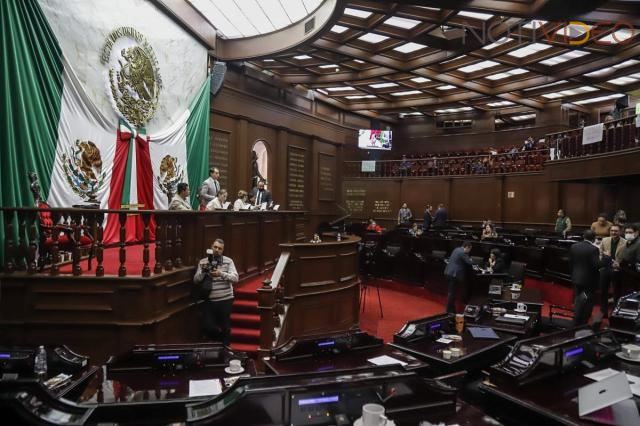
[
  {"x": 367, "y": 267},
  {"x": 365, "y": 284}
]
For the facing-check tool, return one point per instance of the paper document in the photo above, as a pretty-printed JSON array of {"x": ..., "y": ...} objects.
[
  {"x": 520, "y": 317},
  {"x": 226, "y": 205},
  {"x": 443, "y": 340},
  {"x": 204, "y": 387},
  {"x": 386, "y": 360}
]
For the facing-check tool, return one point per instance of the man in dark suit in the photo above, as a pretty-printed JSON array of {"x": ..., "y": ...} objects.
[
  {"x": 585, "y": 263},
  {"x": 456, "y": 272},
  {"x": 440, "y": 219},
  {"x": 427, "y": 219},
  {"x": 261, "y": 195}
]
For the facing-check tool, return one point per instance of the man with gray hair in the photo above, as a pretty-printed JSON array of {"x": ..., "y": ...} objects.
[{"x": 217, "y": 273}]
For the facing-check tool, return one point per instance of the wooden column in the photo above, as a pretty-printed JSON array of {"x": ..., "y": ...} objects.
[
  {"x": 99, "y": 245},
  {"x": 76, "y": 229},
  {"x": 160, "y": 231},
  {"x": 177, "y": 248},
  {"x": 33, "y": 244},
  {"x": 168, "y": 245}
]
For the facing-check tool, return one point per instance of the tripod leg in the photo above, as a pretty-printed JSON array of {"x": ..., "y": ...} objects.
[{"x": 379, "y": 300}]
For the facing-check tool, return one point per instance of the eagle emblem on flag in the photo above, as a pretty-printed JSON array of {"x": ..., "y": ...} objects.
[
  {"x": 170, "y": 174},
  {"x": 82, "y": 165}
]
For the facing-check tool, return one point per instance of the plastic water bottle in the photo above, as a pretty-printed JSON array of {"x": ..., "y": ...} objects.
[{"x": 40, "y": 364}]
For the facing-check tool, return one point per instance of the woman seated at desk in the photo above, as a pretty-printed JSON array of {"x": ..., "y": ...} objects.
[
  {"x": 373, "y": 227},
  {"x": 496, "y": 263},
  {"x": 488, "y": 232},
  {"x": 218, "y": 203},
  {"x": 242, "y": 203}
]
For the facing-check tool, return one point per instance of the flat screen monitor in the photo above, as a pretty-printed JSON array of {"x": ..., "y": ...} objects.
[{"x": 374, "y": 139}]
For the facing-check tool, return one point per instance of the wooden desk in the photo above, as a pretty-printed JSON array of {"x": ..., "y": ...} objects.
[
  {"x": 528, "y": 329},
  {"x": 552, "y": 400},
  {"x": 476, "y": 353},
  {"x": 356, "y": 359},
  {"x": 532, "y": 297}
]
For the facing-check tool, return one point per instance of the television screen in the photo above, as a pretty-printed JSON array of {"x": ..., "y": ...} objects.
[{"x": 374, "y": 139}]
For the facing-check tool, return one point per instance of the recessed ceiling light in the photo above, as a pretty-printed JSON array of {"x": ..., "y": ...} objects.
[
  {"x": 529, "y": 50},
  {"x": 359, "y": 96},
  {"x": 619, "y": 36},
  {"x": 446, "y": 87},
  {"x": 477, "y": 67},
  {"x": 599, "y": 99},
  {"x": 499, "y": 42},
  {"x": 324, "y": 92},
  {"x": 373, "y": 38},
  {"x": 501, "y": 75},
  {"x": 608, "y": 70},
  {"x": 534, "y": 24},
  {"x": 476, "y": 15},
  {"x": 453, "y": 59},
  {"x": 302, "y": 57},
  {"x": 339, "y": 89},
  {"x": 409, "y": 47},
  {"x": 268, "y": 60},
  {"x": 339, "y": 29},
  {"x": 328, "y": 66},
  {"x": 621, "y": 81},
  {"x": 500, "y": 103},
  {"x": 405, "y": 23},
  {"x": 420, "y": 80},
  {"x": 382, "y": 85},
  {"x": 407, "y": 93},
  {"x": 523, "y": 117},
  {"x": 358, "y": 61},
  {"x": 357, "y": 13},
  {"x": 564, "y": 57},
  {"x": 404, "y": 114}
]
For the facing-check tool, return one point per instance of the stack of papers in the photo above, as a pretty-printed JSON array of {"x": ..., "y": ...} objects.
[
  {"x": 634, "y": 381},
  {"x": 386, "y": 360},
  {"x": 204, "y": 387}
]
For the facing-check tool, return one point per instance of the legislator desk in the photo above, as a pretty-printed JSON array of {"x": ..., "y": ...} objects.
[
  {"x": 532, "y": 297},
  {"x": 419, "y": 338},
  {"x": 296, "y": 399},
  {"x": 538, "y": 382},
  {"x": 521, "y": 324},
  {"x": 345, "y": 351}
]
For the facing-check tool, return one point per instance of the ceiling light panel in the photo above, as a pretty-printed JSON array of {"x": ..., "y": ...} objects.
[
  {"x": 398, "y": 22},
  {"x": 357, "y": 13},
  {"x": 476, "y": 15},
  {"x": 339, "y": 89},
  {"x": 599, "y": 99},
  {"x": 529, "y": 50},
  {"x": 500, "y": 104},
  {"x": 359, "y": 96},
  {"x": 608, "y": 70},
  {"x": 523, "y": 117},
  {"x": 420, "y": 80},
  {"x": 564, "y": 57},
  {"x": 338, "y": 29},
  {"x": 619, "y": 36},
  {"x": 302, "y": 57},
  {"x": 407, "y": 93},
  {"x": 329, "y": 66},
  {"x": 446, "y": 87},
  {"x": 382, "y": 85},
  {"x": 477, "y": 67},
  {"x": 497, "y": 43},
  {"x": 534, "y": 24},
  {"x": 409, "y": 47},
  {"x": 506, "y": 74},
  {"x": 373, "y": 38}
]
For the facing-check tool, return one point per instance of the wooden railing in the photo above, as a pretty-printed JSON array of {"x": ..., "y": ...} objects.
[
  {"x": 482, "y": 164},
  {"x": 314, "y": 289},
  {"x": 617, "y": 135},
  {"x": 181, "y": 238}
]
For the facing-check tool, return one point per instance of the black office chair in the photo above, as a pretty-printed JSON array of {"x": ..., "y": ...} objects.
[{"x": 516, "y": 271}]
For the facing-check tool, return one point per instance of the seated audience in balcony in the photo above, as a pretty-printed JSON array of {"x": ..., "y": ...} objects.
[
  {"x": 601, "y": 226},
  {"x": 529, "y": 144},
  {"x": 496, "y": 263},
  {"x": 404, "y": 215},
  {"x": 620, "y": 218},
  {"x": 488, "y": 232},
  {"x": 563, "y": 223},
  {"x": 373, "y": 226},
  {"x": 441, "y": 217},
  {"x": 415, "y": 231},
  {"x": 405, "y": 166},
  {"x": 427, "y": 218}
]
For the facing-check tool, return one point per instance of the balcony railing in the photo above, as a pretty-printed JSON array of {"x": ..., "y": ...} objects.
[
  {"x": 617, "y": 135},
  {"x": 482, "y": 164}
]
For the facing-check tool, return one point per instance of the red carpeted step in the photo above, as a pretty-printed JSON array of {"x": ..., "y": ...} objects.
[
  {"x": 245, "y": 306},
  {"x": 245, "y": 320},
  {"x": 245, "y": 335},
  {"x": 246, "y": 294}
]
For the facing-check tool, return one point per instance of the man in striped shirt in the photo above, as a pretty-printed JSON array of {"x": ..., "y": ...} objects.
[{"x": 218, "y": 273}]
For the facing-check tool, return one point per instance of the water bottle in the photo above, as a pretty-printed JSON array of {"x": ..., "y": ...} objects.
[
  {"x": 339, "y": 237},
  {"x": 40, "y": 364}
]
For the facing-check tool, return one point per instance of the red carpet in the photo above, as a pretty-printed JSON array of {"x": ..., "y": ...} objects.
[{"x": 245, "y": 319}]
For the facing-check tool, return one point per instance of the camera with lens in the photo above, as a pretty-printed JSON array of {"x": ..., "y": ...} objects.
[{"x": 213, "y": 262}]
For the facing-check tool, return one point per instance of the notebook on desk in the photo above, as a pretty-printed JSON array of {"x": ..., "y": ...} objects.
[{"x": 603, "y": 394}]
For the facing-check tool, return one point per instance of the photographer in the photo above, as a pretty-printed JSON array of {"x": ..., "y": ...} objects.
[{"x": 217, "y": 273}]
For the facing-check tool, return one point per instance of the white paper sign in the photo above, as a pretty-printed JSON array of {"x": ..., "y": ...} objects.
[
  {"x": 204, "y": 387},
  {"x": 368, "y": 166},
  {"x": 592, "y": 134}
]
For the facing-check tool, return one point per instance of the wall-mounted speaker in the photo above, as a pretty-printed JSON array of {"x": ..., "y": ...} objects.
[{"x": 217, "y": 77}]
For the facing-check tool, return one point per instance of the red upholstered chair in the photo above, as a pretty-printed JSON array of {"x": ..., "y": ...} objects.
[{"x": 50, "y": 231}]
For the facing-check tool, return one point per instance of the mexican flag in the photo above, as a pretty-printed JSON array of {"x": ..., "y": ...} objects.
[{"x": 83, "y": 155}]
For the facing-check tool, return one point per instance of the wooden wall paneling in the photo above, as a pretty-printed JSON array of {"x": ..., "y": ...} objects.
[
  {"x": 242, "y": 164},
  {"x": 473, "y": 199},
  {"x": 326, "y": 177},
  {"x": 280, "y": 188},
  {"x": 219, "y": 154},
  {"x": 417, "y": 193},
  {"x": 528, "y": 199},
  {"x": 296, "y": 178}
]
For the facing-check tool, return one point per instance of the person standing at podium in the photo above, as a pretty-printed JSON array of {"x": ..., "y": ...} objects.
[
  {"x": 218, "y": 273},
  {"x": 456, "y": 272}
]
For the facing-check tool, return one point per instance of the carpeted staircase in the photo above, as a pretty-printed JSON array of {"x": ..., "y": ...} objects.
[{"x": 245, "y": 319}]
